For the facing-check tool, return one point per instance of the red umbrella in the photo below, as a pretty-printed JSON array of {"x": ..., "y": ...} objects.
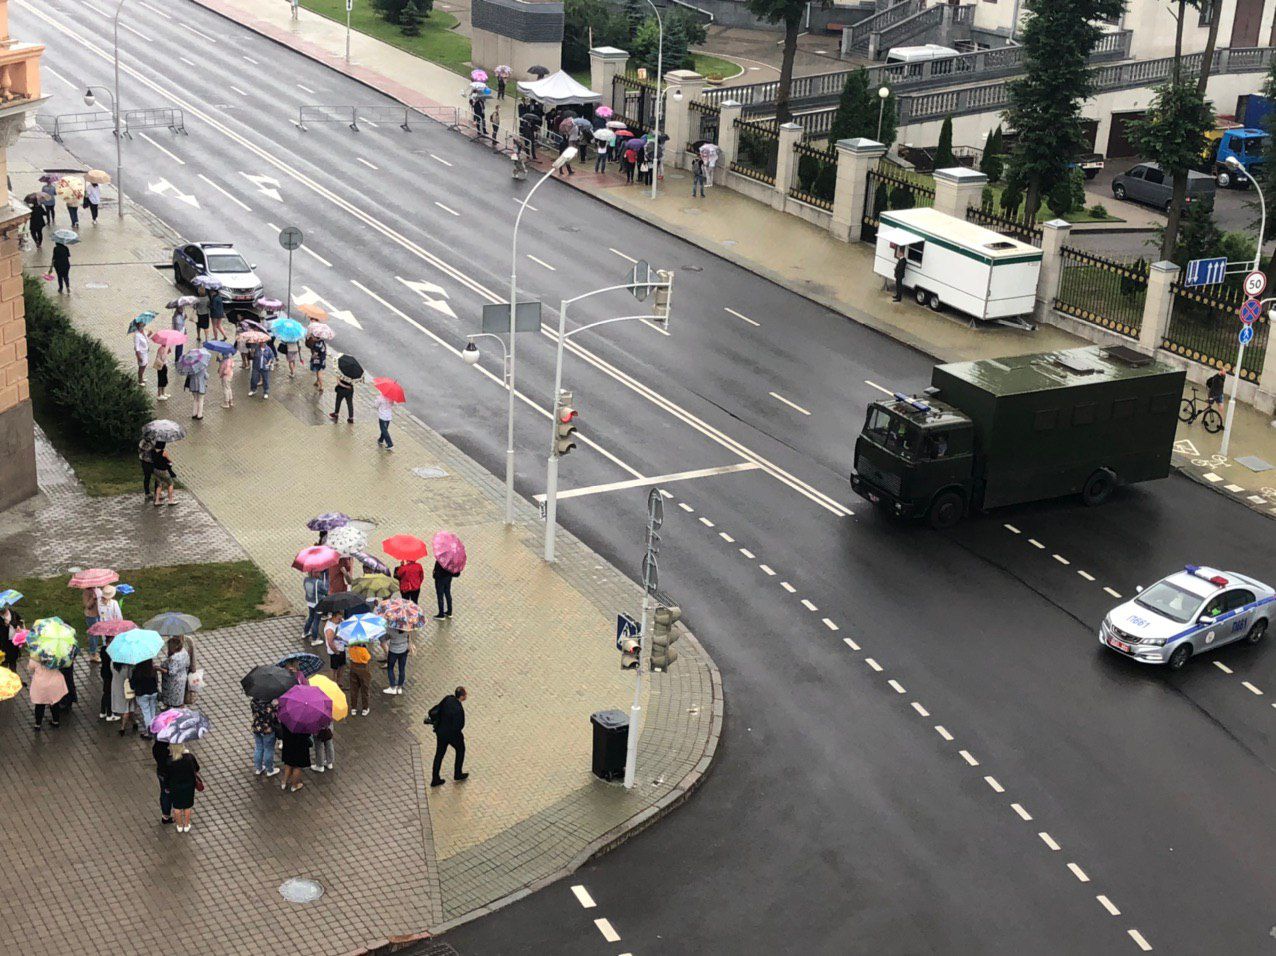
[
  {"x": 405, "y": 547},
  {"x": 390, "y": 389},
  {"x": 93, "y": 578},
  {"x": 111, "y": 628},
  {"x": 315, "y": 558}
]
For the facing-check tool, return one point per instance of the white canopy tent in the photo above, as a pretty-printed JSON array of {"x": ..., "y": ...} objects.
[{"x": 558, "y": 89}]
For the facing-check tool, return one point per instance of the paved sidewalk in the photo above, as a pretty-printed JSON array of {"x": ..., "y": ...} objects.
[{"x": 531, "y": 810}]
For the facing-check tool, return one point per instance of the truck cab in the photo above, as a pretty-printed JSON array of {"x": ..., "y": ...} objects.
[
  {"x": 916, "y": 458},
  {"x": 1246, "y": 144}
]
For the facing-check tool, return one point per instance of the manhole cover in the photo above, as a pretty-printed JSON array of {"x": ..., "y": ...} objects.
[
  {"x": 691, "y": 210},
  {"x": 429, "y": 472},
  {"x": 1254, "y": 463},
  {"x": 298, "y": 890}
]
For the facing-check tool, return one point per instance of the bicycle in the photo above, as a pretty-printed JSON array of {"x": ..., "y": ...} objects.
[{"x": 1191, "y": 409}]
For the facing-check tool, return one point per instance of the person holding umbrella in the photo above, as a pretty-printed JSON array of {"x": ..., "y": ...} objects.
[
  {"x": 336, "y": 646},
  {"x": 390, "y": 393},
  {"x": 145, "y": 683},
  {"x": 182, "y": 776},
  {"x": 265, "y": 725},
  {"x": 315, "y": 586},
  {"x": 49, "y": 199},
  {"x": 410, "y": 575},
  {"x": 162, "y": 473},
  {"x": 349, "y": 371},
  {"x": 196, "y": 380},
  {"x": 93, "y": 198},
  {"x": 177, "y": 663},
  {"x": 160, "y": 753},
  {"x": 61, "y": 264},
  {"x": 37, "y": 222},
  {"x": 121, "y": 702},
  {"x": 225, "y": 375},
  {"x": 318, "y": 358},
  {"x": 263, "y": 360},
  {"x": 48, "y": 688},
  {"x": 141, "y": 344}
]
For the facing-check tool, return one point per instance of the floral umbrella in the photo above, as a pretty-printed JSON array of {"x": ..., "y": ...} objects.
[
  {"x": 111, "y": 628},
  {"x": 94, "y": 577},
  {"x": 182, "y": 726},
  {"x": 328, "y": 521},
  {"x": 402, "y": 614},
  {"x": 370, "y": 563},
  {"x": 320, "y": 331},
  {"x": 10, "y": 684},
  {"x": 375, "y": 585},
  {"x": 53, "y": 642},
  {"x": 347, "y": 539},
  {"x": 9, "y": 597},
  {"x": 478, "y": 76}
]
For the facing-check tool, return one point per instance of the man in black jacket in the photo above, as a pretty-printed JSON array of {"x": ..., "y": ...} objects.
[{"x": 448, "y": 720}]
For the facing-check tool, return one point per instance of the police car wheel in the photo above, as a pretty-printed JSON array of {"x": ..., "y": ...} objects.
[
  {"x": 1098, "y": 487},
  {"x": 945, "y": 511},
  {"x": 1179, "y": 657},
  {"x": 1256, "y": 632}
]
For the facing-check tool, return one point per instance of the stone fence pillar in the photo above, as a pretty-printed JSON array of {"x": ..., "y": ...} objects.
[
  {"x": 1158, "y": 305},
  {"x": 728, "y": 137},
  {"x": 1053, "y": 236},
  {"x": 604, "y": 63},
  {"x": 785, "y": 163},
  {"x": 957, "y": 189},
  {"x": 855, "y": 157},
  {"x": 682, "y": 88}
]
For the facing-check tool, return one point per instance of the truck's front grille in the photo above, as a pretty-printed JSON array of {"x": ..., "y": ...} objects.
[{"x": 871, "y": 473}]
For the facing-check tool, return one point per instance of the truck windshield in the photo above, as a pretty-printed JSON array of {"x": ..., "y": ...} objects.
[
  {"x": 892, "y": 432},
  {"x": 1253, "y": 146},
  {"x": 1170, "y": 600}
]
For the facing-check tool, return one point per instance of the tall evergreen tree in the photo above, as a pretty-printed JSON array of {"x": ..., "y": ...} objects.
[
  {"x": 1172, "y": 135},
  {"x": 944, "y": 151},
  {"x": 410, "y": 19},
  {"x": 849, "y": 118},
  {"x": 990, "y": 163},
  {"x": 1267, "y": 171}
]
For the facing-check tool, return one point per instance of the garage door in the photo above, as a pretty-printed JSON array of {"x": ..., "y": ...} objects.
[{"x": 1119, "y": 143}]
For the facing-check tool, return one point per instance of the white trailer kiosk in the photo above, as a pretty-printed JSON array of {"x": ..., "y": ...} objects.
[{"x": 959, "y": 264}]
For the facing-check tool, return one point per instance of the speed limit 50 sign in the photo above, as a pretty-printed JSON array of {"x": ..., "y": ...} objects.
[{"x": 1255, "y": 283}]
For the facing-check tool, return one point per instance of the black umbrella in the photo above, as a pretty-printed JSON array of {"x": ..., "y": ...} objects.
[
  {"x": 541, "y": 71},
  {"x": 173, "y": 624},
  {"x": 347, "y": 602},
  {"x": 267, "y": 682},
  {"x": 349, "y": 366}
]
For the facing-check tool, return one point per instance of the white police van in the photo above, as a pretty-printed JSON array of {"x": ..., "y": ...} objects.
[{"x": 1192, "y": 611}]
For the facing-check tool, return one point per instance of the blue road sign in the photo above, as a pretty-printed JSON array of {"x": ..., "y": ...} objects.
[
  {"x": 626, "y": 626},
  {"x": 1247, "y": 333},
  {"x": 1206, "y": 271},
  {"x": 1250, "y": 311}
]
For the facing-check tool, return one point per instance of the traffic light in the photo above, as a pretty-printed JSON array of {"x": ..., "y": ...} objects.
[
  {"x": 663, "y": 636},
  {"x": 564, "y": 424},
  {"x": 664, "y": 294},
  {"x": 628, "y": 653}
]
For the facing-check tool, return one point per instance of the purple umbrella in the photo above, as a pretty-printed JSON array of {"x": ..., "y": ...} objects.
[
  {"x": 194, "y": 361},
  {"x": 305, "y": 709},
  {"x": 250, "y": 325},
  {"x": 376, "y": 565},
  {"x": 327, "y": 521},
  {"x": 637, "y": 144}
]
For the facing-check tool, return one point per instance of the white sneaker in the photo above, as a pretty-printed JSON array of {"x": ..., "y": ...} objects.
[
  {"x": 316, "y": 769},
  {"x": 389, "y": 690},
  {"x": 329, "y": 766},
  {"x": 399, "y": 689},
  {"x": 112, "y": 718},
  {"x": 365, "y": 712},
  {"x": 271, "y": 773},
  {"x": 316, "y": 643},
  {"x": 258, "y": 773}
]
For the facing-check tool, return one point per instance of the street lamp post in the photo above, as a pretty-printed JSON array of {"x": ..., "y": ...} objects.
[
  {"x": 660, "y": 76},
  {"x": 1240, "y": 352},
  {"x": 883, "y": 94},
  {"x": 90, "y": 99},
  {"x": 349, "y": 7}
]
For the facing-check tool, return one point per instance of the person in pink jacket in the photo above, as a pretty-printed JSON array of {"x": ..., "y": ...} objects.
[{"x": 48, "y": 687}]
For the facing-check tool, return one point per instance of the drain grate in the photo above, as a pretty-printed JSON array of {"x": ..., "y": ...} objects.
[{"x": 298, "y": 890}]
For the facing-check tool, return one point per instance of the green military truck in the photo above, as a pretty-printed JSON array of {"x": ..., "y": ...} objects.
[{"x": 1005, "y": 431}]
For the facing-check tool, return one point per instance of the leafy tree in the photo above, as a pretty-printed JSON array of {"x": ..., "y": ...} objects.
[
  {"x": 1045, "y": 103},
  {"x": 609, "y": 29},
  {"x": 1266, "y": 174},
  {"x": 1059, "y": 199},
  {"x": 645, "y": 46},
  {"x": 944, "y": 151},
  {"x": 1199, "y": 236},
  {"x": 410, "y": 19},
  {"x": 635, "y": 14},
  {"x": 890, "y": 121},
  {"x": 990, "y": 164},
  {"x": 791, "y": 13},
  {"x": 695, "y": 29},
  {"x": 1012, "y": 194}
]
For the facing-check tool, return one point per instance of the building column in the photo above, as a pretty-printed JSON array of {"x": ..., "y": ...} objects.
[
  {"x": 1158, "y": 305},
  {"x": 957, "y": 189},
  {"x": 1053, "y": 236},
  {"x": 728, "y": 137},
  {"x": 785, "y": 163},
  {"x": 683, "y": 87},
  {"x": 604, "y": 63},
  {"x": 17, "y": 424},
  {"x": 855, "y": 158}
]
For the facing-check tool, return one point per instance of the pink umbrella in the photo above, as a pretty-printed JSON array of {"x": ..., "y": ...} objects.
[
  {"x": 478, "y": 76},
  {"x": 604, "y": 111},
  {"x": 169, "y": 337},
  {"x": 321, "y": 331},
  {"x": 164, "y": 719},
  {"x": 449, "y": 552},
  {"x": 253, "y": 337},
  {"x": 269, "y": 305},
  {"x": 305, "y": 710},
  {"x": 93, "y": 578},
  {"x": 111, "y": 628},
  {"x": 317, "y": 557},
  {"x": 20, "y": 637}
]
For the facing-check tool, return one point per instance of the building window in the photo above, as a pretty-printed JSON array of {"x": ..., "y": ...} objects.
[{"x": 1206, "y": 10}]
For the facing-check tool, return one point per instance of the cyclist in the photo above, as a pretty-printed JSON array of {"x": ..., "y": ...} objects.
[{"x": 1214, "y": 384}]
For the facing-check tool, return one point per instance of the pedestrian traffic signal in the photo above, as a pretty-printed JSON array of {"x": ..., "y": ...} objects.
[
  {"x": 564, "y": 424},
  {"x": 663, "y": 636},
  {"x": 628, "y": 653},
  {"x": 664, "y": 294}
]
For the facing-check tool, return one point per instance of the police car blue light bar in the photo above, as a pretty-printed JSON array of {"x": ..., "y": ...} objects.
[{"x": 1195, "y": 571}]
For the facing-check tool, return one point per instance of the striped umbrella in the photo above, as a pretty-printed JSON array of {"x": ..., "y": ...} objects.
[{"x": 362, "y": 628}]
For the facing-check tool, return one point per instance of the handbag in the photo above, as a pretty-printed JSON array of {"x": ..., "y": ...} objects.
[
  {"x": 199, "y": 783},
  {"x": 128, "y": 689},
  {"x": 195, "y": 680}
]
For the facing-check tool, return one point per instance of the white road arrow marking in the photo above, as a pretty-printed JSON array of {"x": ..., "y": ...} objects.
[
  {"x": 427, "y": 291},
  {"x": 265, "y": 185},
  {"x": 309, "y": 297},
  {"x": 165, "y": 188}
]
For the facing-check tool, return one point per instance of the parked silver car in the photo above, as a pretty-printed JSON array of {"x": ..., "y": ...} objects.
[{"x": 1147, "y": 183}]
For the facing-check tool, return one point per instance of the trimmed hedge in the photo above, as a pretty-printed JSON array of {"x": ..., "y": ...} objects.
[{"x": 102, "y": 407}]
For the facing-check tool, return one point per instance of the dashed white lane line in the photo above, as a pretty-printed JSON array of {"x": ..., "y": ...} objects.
[
  {"x": 1086, "y": 574},
  {"x": 766, "y": 568},
  {"x": 943, "y": 732},
  {"x": 315, "y": 255},
  {"x": 831, "y": 625},
  {"x": 190, "y": 29},
  {"x": 1023, "y": 814},
  {"x": 1142, "y": 943},
  {"x": 739, "y": 316},
  {"x": 1012, "y": 529},
  {"x": 541, "y": 262},
  {"x": 686, "y": 507},
  {"x": 360, "y": 159},
  {"x": 622, "y": 255},
  {"x": 921, "y": 711},
  {"x": 996, "y": 787},
  {"x": 447, "y": 209},
  {"x": 440, "y": 159},
  {"x": 1061, "y": 559},
  {"x": 873, "y": 664},
  {"x": 583, "y": 897},
  {"x": 305, "y": 89},
  {"x": 1223, "y": 667},
  {"x": 706, "y": 522},
  {"x": 967, "y": 756},
  {"x": 794, "y": 405},
  {"x": 1115, "y": 594},
  {"x": 239, "y": 91},
  {"x": 897, "y": 686},
  {"x": 806, "y": 603},
  {"x": 747, "y": 553},
  {"x": 608, "y": 931},
  {"x": 1251, "y": 688},
  {"x": 726, "y": 537},
  {"x": 1108, "y": 905},
  {"x": 249, "y": 58},
  {"x": 1078, "y": 873},
  {"x": 855, "y": 647},
  {"x": 1048, "y": 840},
  {"x": 175, "y": 158},
  {"x": 244, "y": 206},
  {"x": 1036, "y": 544},
  {"x": 155, "y": 10},
  {"x": 788, "y": 587},
  {"x": 186, "y": 61},
  {"x": 884, "y": 391}
]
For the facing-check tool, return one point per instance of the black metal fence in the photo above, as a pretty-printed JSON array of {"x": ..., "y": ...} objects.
[
  {"x": 1021, "y": 229},
  {"x": 635, "y": 101},
  {"x": 709, "y": 118},
  {"x": 1105, "y": 292},
  {"x": 816, "y": 175},
  {"x": 1204, "y": 327},
  {"x": 890, "y": 187},
  {"x": 757, "y": 150}
]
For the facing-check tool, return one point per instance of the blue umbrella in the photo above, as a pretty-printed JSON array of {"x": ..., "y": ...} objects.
[
  {"x": 361, "y": 629},
  {"x": 221, "y": 348},
  {"x": 125, "y": 589},
  {"x": 65, "y": 237},
  {"x": 287, "y": 330},
  {"x": 308, "y": 664},
  {"x": 135, "y": 646},
  {"x": 9, "y": 597}
]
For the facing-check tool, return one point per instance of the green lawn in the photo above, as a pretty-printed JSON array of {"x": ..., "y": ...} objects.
[
  {"x": 707, "y": 64},
  {"x": 437, "y": 42},
  {"x": 100, "y": 474},
  {"x": 1044, "y": 213},
  {"x": 218, "y": 594}
]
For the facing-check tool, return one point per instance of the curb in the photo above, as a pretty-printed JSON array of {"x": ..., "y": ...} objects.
[{"x": 1196, "y": 474}]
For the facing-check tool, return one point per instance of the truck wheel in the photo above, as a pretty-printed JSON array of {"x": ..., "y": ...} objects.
[
  {"x": 1179, "y": 657},
  {"x": 945, "y": 511},
  {"x": 1098, "y": 487},
  {"x": 1118, "y": 191},
  {"x": 934, "y": 303},
  {"x": 919, "y": 294},
  {"x": 1223, "y": 178}
]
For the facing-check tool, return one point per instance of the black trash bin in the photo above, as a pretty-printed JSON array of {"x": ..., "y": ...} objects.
[{"x": 611, "y": 742}]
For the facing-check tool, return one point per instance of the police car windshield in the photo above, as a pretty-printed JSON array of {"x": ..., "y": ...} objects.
[
  {"x": 1170, "y": 600},
  {"x": 892, "y": 432},
  {"x": 226, "y": 262}
]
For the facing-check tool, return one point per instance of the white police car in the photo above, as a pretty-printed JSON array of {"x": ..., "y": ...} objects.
[{"x": 1195, "y": 610}]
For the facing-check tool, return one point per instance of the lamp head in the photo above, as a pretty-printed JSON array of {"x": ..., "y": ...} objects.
[
  {"x": 1233, "y": 162},
  {"x": 883, "y": 91},
  {"x": 677, "y": 94},
  {"x": 565, "y": 157},
  {"x": 89, "y": 98},
  {"x": 470, "y": 355}
]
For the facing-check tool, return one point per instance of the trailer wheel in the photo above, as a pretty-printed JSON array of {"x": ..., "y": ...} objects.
[
  {"x": 934, "y": 303},
  {"x": 945, "y": 511},
  {"x": 1098, "y": 487},
  {"x": 920, "y": 295}
]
